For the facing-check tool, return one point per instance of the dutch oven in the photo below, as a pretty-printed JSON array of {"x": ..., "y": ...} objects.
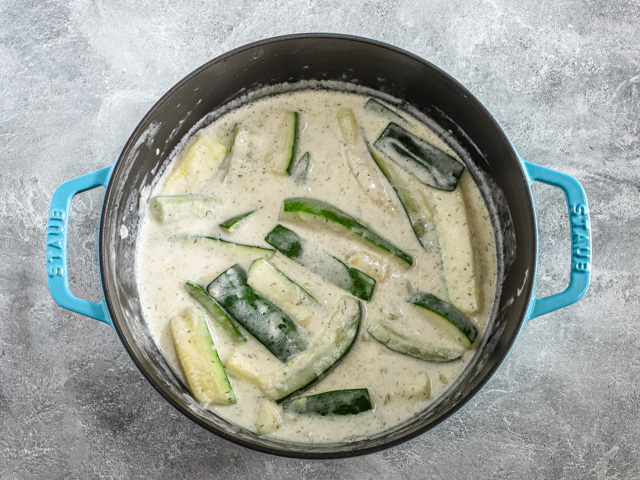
[{"x": 329, "y": 57}]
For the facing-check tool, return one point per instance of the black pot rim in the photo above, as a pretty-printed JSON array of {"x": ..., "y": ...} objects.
[{"x": 293, "y": 453}]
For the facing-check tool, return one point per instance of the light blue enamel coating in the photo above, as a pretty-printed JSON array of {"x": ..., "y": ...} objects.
[
  {"x": 580, "y": 240},
  {"x": 57, "y": 230}
]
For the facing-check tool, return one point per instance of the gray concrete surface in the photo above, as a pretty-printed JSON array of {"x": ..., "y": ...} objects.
[{"x": 563, "y": 78}]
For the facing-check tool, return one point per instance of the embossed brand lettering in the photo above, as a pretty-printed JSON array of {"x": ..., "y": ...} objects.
[
  {"x": 57, "y": 214},
  {"x": 582, "y": 267},
  {"x": 55, "y": 243},
  {"x": 580, "y": 240}
]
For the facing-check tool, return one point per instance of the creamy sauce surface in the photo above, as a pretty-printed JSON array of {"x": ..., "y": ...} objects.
[{"x": 169, "y": 255}]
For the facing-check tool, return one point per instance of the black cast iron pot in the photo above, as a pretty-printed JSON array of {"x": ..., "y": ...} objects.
[{"x": 360, "y": 61}]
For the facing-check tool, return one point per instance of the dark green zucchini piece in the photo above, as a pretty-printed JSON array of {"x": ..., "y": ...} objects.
[
  {"x": 303, "y": 208},
  {"x": 216, "y": 313},
  {"x": 290, "y": 244},
  {"x": 364, "y": 172},
  {"x": 412, "y": 201},
  {"x": 428, "y": 164},
  {"x": 232, "y": 224},
  {"x": 261, "y": 318},
  {"x": 335, "y": 402},
  {"x": 326, "y": 351},
  {"x": 199, "y": 359},
  {"x": 444, "y": 311},
  {"x": 379, "y": 108},
  {"x": 430, "y": 349},
  {"x": 298, "y": 168}
]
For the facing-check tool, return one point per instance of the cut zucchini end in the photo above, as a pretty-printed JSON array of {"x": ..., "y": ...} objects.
[
  {"x": 199, "y": 359},
  {"x": 335, "y": 402},
  {"x": 445, "y": 313},
  {"x": 215, "y": 312},
  {"x": 400, "y": 342},
  {"x": 307, "y": 367},
  {"x": 268, "y": 418}
]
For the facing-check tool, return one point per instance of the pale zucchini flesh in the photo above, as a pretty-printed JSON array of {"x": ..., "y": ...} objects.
[
  {"x": 456, "y": 249},
  {"x": 407, "y": 343},
  {"x": 201, "y": 161},
  {"x": 330, "y": 346},
  {"x": 365, "y": 172},
  {"x": 199, "y": 359},
  {"x": 283, "y": 152},
  {"x": 273, "y": 284},
  {"x": 172, "y": 208},
  {"x": 214, "y": 311}
]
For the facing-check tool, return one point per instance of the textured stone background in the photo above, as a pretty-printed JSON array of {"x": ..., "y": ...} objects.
[{"x": 563, "y": 78}]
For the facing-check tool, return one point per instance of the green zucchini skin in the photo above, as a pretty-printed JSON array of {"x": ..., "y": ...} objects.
[
  {"x": 412, "y": 202},
  {"x": 409, "y": 345},
  {"x": 379, "y": 108},
  {"x": 298, "y": 168},
  {"x": 216, "y": 313},
  {"x": 285, "y": 145},
  {"x": 261, "y": 318},
  {"x": 320, "y": 358},
  {"x": 427, "y": 163},
  {"x": 445, "y": 310},
  {"x": 335, "y": 402},
  {"x": 325, "y": 211},
  {"x": 233, "y": 223},
  {"x": 241, "y": 247},
  {"x": 290, "y": 244}
]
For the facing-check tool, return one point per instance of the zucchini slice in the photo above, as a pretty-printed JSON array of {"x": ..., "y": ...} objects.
[
  {"x": 298, "y": 169},
  {"x": 335, "y": 402},
  {"x": 330, "y": 346},
  {"x": 423, "y": 347},
  {"x": 445, "y": 313},
  {"x": 261, "y": 318},
  {"x": 456, "y": 250},
  {"x": 201, "y": 161},
  {"x": 368, "y": 176},
  {"x": 281, "y": 156},
  {"x": 232, "y": 224},
  {"x": 290, "y": 244},
  {"x": 251, "y": 251},
  {"x": 199, "y": 359},
  {"x": 304, "y": 208},
  {"x": 408, "y": 193},
  {"x": 428, "y": 164},
  {"x": 268, "y": 419},
  {"x": 239, "y": 162},
  {"x": 381, "y": 109},
  {"x": 216, "y": 313},
  {"x": 171, "y": 208},
  {"x": 274, "y": 285}
]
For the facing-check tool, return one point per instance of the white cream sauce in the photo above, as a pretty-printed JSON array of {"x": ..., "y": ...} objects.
[{"x": 400, "y": 386}]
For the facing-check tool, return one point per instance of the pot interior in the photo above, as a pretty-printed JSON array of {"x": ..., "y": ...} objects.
[{"x": 366, "y": 63}]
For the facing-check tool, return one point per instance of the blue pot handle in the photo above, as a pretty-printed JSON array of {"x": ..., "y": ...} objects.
[
  {"x": 57, "y": 229},
  {"x": 580, "y": 239}
]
